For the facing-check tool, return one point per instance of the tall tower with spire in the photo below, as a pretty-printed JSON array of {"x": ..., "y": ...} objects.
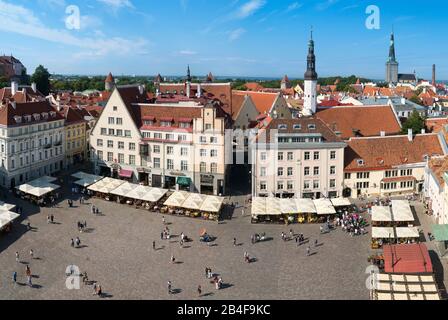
[
  {"x": 392, "y": 64},
  {"x": 310, "y": 92},
  {"x": 188, "y": 82}
]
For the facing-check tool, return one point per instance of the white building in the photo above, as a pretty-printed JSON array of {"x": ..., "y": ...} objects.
[
  {"x": 434, "y": 189},
  {"x": 170, "y": 145},
  {"x": 299, "y": 158},
  {"x": 31, "y": 142}
]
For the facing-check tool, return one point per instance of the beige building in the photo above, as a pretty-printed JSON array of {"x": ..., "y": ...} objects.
[
  {"x": 386, "y": 166},
  {"x": 170, "y": 145},
  {"x": 299, "y": 158}
]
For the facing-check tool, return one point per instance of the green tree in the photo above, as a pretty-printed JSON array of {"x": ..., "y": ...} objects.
[
  {"x": 415, "y": 122},
  {"x": 42, "y": 79},
  {"x": 3, "y": 82}
]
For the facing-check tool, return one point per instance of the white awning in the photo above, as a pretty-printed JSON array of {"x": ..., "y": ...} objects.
[
  {"x": 273, "y": 207},
  {"x": 340, "y": 202},
  {"x": 7, "y": 217},
  {"x": 383, "y": 233},
  {"x": 106, "y": 185},
  {"x": 258, "y": 206},
  {"x": 381, "y": 214},
  {"x": 176, "y": 199},
  {"x": 305, "y": 206},
  {"x": 39, "y": 187},
  {"x": 401, "y": 211},
  {"x": 407, "y": 232},
  {"x": 324, "y": 206},
  {"x": 6, "y": 206},
  {"x": 124, "y": 189},
  {"x": 194, "y": 201},
  {"x": 154, "y": 195},
  {"x": 86, "y": 179},
  {"x": 212, "y": 204},
  {"x": 288, "y": 206}
]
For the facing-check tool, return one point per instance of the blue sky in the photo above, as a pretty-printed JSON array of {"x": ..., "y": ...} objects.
[{"x": 227, "y": 37}]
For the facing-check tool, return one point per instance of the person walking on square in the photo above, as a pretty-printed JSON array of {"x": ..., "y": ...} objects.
[
  {"x": 169, "y": 285},
  {"x": 52, "y": 218},
  {"x": 95, "y": 289},
  {"x": 17, "y": 256},
  {"x": 29, "y": 282},
  {"x": 199, "y": 291},
  {"x": 173, "y": 259},
  {"x": 153, "y": 245},
  {"x": 32, "y": 253},
  {"x": 234, "y": 242},
  {"x": 308, "y": 251},
  {"x": 72, "y": 243},
  {"x": 78, "y": 242}
]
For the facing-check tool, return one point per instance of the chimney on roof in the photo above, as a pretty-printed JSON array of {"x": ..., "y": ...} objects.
[
  {"x": 382, "y": 133},
  {"x": 34, "y": 87},
  {"x": 423, "y": 131},
  {"x": 410, "y": 135},
  {"x": 14, "y": 87},
  {"x": 141, "y": 89},
  {"x": 14, "y": 104}
]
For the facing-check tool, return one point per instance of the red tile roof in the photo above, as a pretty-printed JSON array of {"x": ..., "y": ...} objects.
[
  {"x": 436, "y": 124},
  {"x": 263, "y": 101},
  {"x": 379, "y": 153},
  {"x": 8, "y": 112},
  {"x": 439, "y": 166},
  {"x": 407, "y": 259},
  {"x": 368, "y": 121}
]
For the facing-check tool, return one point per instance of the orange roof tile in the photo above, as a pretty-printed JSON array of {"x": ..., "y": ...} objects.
[
  {"x": 263, "y": 100},
  {"x": 379, "y": 153},
  {"x": 367, "y": 120}
]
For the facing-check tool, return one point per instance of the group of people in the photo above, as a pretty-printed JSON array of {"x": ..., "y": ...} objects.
[
  {"x": 95, "y": 210},
  {"x": 75, "y": 243},
  {"x": 82, "y": 226},
  {"x": 50, "y": 218},
  {"x": 28, "y": 273},
  {"x": 352, "y": 223}
]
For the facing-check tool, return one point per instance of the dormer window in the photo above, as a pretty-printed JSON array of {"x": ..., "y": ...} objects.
[
  {"x": 45, "y": 115},
  {"x": 27, "y": 118},
  {"x": 297, "y": 127},
  {"x": 148, "y": 122},
  {"x": 282, "y": 127},
  {"x": 312, "y": 127},
  {"x": 36, "y": 117},
  {"x": 18, "y": 119},
  {"x": 360, "y": 162},
  {"x": 52, "y": 114}
]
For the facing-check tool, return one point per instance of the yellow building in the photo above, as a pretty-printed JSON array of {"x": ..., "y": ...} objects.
[{"x": 75, "y": 146}]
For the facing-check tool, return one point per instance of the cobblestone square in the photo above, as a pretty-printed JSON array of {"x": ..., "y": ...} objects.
[{"x": 117, "y": 252}]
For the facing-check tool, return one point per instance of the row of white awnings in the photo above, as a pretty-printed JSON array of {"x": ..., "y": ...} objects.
[
  {"x": 395, "y": 232},
  {"x": 39, "y": 187},
  {"x": 195, "y": 201},
  {"x": 400, "y": 212},
  {"x": 277, "y": 206},
  {"x": 405, "y": 287},
  {"x": 125, "y": 189}
]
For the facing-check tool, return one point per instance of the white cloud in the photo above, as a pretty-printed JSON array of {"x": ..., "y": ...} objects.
[
  {"x": 187, "y": 53},
  {"x": 236, "y": 34},
  {"x": 20, "y": 20},
  {"x": 294, "y": 6},
  {"x": 117, "y": 4},
  {"x": 326, "y": 4},
  {"x": 249, "y": 8}
]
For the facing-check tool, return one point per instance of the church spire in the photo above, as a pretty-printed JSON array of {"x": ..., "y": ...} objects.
[
  {"x": 188, "y": 74},
  {"x": 310, "y": 73},
  {"x": 392, "y": 48}
]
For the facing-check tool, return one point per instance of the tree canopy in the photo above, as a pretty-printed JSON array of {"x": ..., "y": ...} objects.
[
  {"x": 415, "y": 122},
  {"x": 42, "y": 79}
]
